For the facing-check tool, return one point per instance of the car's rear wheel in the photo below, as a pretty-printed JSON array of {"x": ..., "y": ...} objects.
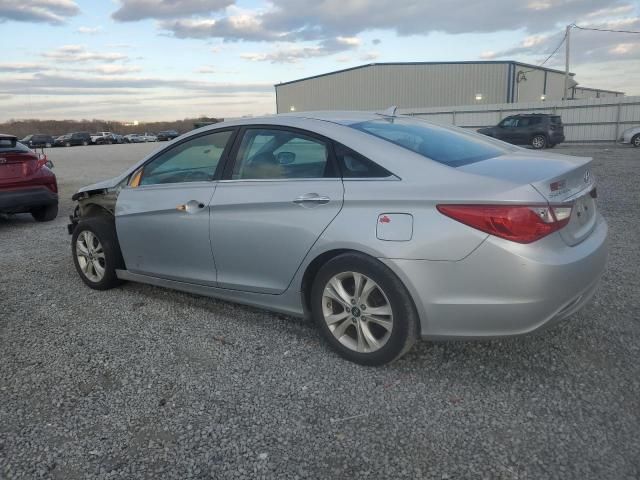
[
  {"x": 538, "y": 142},
  {"x": 85, "y": 143},
  {"x": 45, "y": 214},
  {"x": 635, "y": 141},
  {"x": 363, "y": 310},
  {"x": 67, "y": 144},
  {"x": 96, "y": 253},
  {"x": 47, "y": 145}
]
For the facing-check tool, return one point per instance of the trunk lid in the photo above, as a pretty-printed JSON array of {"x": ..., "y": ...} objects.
[{"x": 560, "y": 179}]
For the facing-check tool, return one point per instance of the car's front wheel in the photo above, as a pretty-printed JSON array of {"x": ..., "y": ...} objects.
[
  {"x": 539, "y": 142},
  {"x": 96, "y": 253},
  {"x": 45, "y": 214},
  {"x": 635, "y": 141},
  {"x": 363, "y": 310}
]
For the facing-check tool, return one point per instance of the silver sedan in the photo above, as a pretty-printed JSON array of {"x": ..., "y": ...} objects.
[{"x": 381, "y": 228}]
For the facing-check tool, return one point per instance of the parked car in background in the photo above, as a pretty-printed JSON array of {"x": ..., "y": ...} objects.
[
  {"x": 27, "y": 184},
  {"x": 382, "y": 228},
  {"x": 540, "y": 130},
  {"x": 38, "y": 140},
  {"x": 133, "y": 138},
  {"x": 149, "y": 137},
  {"x": 73, "y": 139},
  {"x": 167, "y": 135},
  {"x": 102, "y": 138},
  {"x": 117, "y": 138},
  {"x": 631, "y": 136}
]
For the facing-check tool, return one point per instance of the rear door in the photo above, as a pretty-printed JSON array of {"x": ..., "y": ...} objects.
[
  {"x": 278, "y": 195},
  {"x": 162, "y": 217}
]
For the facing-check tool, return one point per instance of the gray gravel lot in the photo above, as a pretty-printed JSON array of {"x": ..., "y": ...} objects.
[{"x": 141, "y": 382}]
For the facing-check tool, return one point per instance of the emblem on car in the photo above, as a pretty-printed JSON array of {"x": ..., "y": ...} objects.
[
  {"x": 3, "y": 160},
  {"x": 587, "y": 176}
]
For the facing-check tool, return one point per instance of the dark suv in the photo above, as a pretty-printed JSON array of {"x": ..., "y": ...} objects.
[
  {"x": 540, "y": 130},
  {"x": 73, "y": 139},
  {"x": 37, "y": 140}
]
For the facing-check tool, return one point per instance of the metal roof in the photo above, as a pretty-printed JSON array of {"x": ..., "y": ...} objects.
[{"x": 402, "y": 64}]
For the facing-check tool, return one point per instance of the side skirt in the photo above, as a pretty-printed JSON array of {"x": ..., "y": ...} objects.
[{"x": 289, "y": 303}]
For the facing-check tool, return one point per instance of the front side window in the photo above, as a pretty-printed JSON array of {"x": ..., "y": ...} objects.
[
  {"x": 280, "y": 154},
  {"x": 192, "y": 161},
  {"x": 509, "y": 122},
  {"x": 449, "y": 146}
]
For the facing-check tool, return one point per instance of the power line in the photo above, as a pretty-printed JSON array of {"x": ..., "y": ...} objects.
[
  {"x": 555, "y": 50},
  {"x": 604, "y": 29}
]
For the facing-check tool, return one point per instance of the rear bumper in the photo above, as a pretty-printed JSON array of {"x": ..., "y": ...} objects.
[
  {"x": 24, "y": 199},
  {"x": 504, "y": 288},
  {"x": 555, "y": 139}
]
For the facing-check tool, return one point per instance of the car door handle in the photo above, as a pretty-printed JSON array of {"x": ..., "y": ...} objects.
[
  {"x": 191, "y": 206},
  {"x": 311, "y": 199}
]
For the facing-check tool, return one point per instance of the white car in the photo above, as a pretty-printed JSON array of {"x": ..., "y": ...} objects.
[
  {"x": 148, "y": 137},
  {"x": 102, "y": 138},
  {"x": 631, "y": 136}
]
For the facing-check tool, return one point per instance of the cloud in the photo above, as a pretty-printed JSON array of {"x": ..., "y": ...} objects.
[
  {"x": 370, "y": 56},
  {"x": 79, "y": 54},
  {"x": 289, "y": 53},
  {"x": 89, "y": 30},
  {"x": 111, "y": 69},
  {"x": 133, "y": 10},
  {"x": 21, "y": 67},
  {"x": 587, "y": 46},
  {"x": 54, "y": 12}
]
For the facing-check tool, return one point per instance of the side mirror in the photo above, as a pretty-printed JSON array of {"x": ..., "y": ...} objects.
[
  {"x": 49, "y": 164},
  {"x": 286, "y": 158}
]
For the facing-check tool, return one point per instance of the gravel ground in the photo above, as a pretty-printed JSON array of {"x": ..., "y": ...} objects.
[{"x": 141, "y": 382}]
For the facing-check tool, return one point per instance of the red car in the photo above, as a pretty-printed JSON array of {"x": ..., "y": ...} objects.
[{"x": 27, "y": 185}]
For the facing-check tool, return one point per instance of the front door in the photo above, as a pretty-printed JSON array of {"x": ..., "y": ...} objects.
[
  {"x": 275, "y": 200},
  {"x": 162, "y": 217}
]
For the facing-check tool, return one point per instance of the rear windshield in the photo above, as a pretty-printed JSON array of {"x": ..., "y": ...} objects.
[
  {"x": 19, "y": 148},
  {"x": 449, "y": 146}
]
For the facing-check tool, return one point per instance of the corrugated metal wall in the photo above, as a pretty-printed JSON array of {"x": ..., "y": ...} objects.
[
  {"x": 374, "y": 87},
  {"x": 587, "y": 120}
]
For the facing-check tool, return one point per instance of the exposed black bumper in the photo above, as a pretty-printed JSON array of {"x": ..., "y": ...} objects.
[
  {"x": 23, "y": 200},
  {"x": 556, "y": 139}
]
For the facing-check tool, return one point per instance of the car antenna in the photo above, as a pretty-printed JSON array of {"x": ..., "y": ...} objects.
[{"x": 389, "y": 112}]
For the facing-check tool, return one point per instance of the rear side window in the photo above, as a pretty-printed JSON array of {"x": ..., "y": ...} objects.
[
  {"x": 449, "y": 146},
  {"x": 354, "y": 165},
  {"x": 556, "y": 120},
  {"x": 277, "y": 154},
  {"x": 535, "y": 120}
]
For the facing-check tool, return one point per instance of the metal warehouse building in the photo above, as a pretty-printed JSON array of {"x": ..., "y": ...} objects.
[{"x": 427, "y": 84}]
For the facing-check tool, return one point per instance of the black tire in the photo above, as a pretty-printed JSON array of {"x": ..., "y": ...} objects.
[
  {"x": 104, "y": 229},
  {"x": 539, "y": 142},
  {"x": 635, "y": 141},
  {"x": 405, "y": 328},
  {"x": 45, "y": 214},
  {"x": 47, "y": 145},
  {"x": 85, "y": 143},
  {"x": 67, "y": 144}
]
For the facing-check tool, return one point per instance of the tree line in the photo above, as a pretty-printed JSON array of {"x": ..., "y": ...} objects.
[{"x": 22, "y": 128}]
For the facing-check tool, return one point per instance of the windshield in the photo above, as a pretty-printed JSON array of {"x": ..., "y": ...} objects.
[{"x": 449, "y": 146}]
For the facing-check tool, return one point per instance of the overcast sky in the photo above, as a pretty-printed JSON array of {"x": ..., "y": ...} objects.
[{"x": 170, "y": 59}]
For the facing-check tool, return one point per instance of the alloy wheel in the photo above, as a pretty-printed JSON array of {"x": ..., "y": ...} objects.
[
  {"x": 538, "y": 141},
  {"x": 90, "y": 255},
  {"x": 357, "y": 312}
]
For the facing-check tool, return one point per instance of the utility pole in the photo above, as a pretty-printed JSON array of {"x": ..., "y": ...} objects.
[{"x": 566, "y": 62}]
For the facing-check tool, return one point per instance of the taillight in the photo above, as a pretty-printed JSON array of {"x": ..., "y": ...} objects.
[{"x": 518, "y": 223}]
